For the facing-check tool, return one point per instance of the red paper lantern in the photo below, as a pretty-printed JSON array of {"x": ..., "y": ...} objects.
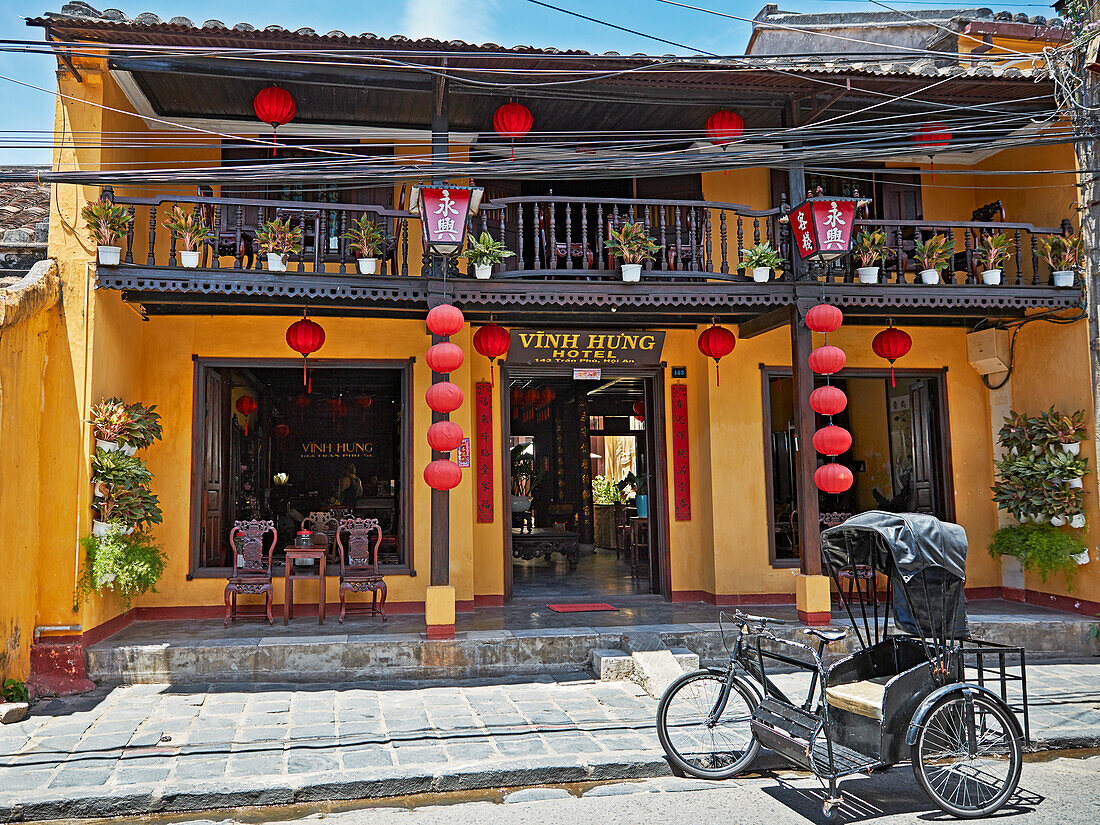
[
  {"x": 492, "y": 341},
  {"x": 638, "y": 409},
  {"x": 445, "y": 319},
  {"x": 930, "y": 137},
  {"x": 546, "y": 397},
  {"x": 724, "y": 127},
  {"x": 444, "y": 436},
  {"x": 282, "y": 430},
  {"x": 716, "y": 342},
  {"x": 305, "y": 337},
  {"x": 531, "y": 397},
  {"x": 444, "y": 397},
  {"x": 336, "y": 407},
  {"x": 824, "y": 318},
  {"x": 513, "y": 120},
  {"x": 301, "y": 401},
  {"x": 892, "y": 343},
  {"x": 828, "y": 400},
  {"x": 827, "y": 360},
  {"x": 275, "y": 107},
  {"x": 516, "y": 396},
  {"x": 833, "y": 478},
  {"x": 832, "y": 440},
  {"x": 444, "y": 357},
  {"x": 442, "y": 474},
  {"x": 246, "y": 405}
]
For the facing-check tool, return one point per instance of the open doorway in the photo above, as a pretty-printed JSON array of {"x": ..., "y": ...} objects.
[
  {"x": 586, "y": 519},
  {"x": 899, "y": 454}
]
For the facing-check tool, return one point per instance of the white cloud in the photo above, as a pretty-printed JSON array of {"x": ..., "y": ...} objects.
[{"x": 469, "y": 20}]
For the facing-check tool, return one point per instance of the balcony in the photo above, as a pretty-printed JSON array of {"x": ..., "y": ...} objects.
[{"x": 560, "y": 266}]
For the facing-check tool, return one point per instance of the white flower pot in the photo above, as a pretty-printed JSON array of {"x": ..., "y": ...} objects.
[
  {"x": 126, "y": 530},
  {"x": 1063, "y": 277},
  {"x": 761, "y": 274},
  {"x": 1082, "y": 557},
  {"x": 483, "y": 271},
  {"x": 109, "y": 255},
  {"x": 1022, "y": 518},
  {"x": 1058, "y": 521},
  {"x": 190, "y": 260},
  {"x": 99, "y": 489},
  {"x": 867, "y": 274},
  {"x": 275, "y": 262},
  {"x": 1075, "y": 483},
  {"x": 521, "y": 504},
  {"x": 128, "y": 449},
  {"x": 1077, "y": 521},
  {"x": 1040, "y": 518},
  {"x": 991, "y": 277},
  {"x": 929, "y": 276},
  {"x": 106, "y": 446},
  {"x": 368, "y": 266},
  {"x": 101, "y": 528},
  {"x": 632, "y": 272},
  {"x": 1073, "y": 448}
]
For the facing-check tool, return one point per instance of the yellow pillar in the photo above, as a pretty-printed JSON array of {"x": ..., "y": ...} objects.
[
  {"x": 813, "y": 600},
  {"x": 439, "y": 611}
]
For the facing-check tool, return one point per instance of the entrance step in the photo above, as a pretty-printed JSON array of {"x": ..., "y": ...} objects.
[{"x": 646, "y": 660}]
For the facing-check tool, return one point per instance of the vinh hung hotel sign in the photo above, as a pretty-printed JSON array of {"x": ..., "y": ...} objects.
[{"x": 571, "y": 348}]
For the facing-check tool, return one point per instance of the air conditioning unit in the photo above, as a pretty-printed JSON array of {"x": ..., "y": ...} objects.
[{"x": 988, "y": 351}]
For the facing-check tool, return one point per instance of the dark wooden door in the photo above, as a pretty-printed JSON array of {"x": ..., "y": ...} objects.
[
  {"x": 901, "y": 199},
  {"x": 213, "y": 543},
  {"x": 926, "y": 447}
]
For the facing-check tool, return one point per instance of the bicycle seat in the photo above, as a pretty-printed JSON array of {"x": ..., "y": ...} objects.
[{"x": 827, "y": 634}]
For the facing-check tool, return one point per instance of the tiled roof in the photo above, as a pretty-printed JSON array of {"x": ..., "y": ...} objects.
[
  {"x": 914, "y": 17},
  {"x": 23, "y": 206}
]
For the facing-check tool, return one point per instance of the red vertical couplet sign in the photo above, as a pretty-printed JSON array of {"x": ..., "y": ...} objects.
[
  {"x": 483, "y": 431},
  {"x": 681, "y": 464}
]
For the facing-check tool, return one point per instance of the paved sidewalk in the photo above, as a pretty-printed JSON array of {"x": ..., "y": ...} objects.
[{"x": 147, "y": 748}]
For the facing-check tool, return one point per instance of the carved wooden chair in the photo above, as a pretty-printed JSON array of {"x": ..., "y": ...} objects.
[
  {"x": 323, "y": 525},
  {"x": 251, "y": 566},
  {"x": 359, "y": 564}
]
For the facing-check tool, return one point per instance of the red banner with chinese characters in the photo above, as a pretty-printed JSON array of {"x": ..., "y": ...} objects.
[
  {"x": 822, "y": 227},
  {"x": 681, "y": 456},
  {"x": 483, "y": 431},
  {"x": 443, "y": 213}
]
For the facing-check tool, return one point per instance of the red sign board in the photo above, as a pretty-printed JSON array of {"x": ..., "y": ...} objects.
[
  {"x": 483, "y": 429},
  {"x": 681, "y": 457},
  {"x": 822, "y": 227},
  {"x": 443, "y": 214}
]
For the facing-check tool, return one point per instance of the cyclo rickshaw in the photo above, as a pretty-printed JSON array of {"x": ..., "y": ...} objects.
[{"x": 901, "y": 695}]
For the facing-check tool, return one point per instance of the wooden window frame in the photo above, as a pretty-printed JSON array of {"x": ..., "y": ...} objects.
[{"x": 198, "y": 423}]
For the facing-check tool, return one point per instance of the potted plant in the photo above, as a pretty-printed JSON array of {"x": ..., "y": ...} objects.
[
  {"x": 1061, "y": 253},
  {"x": 279, "y": 240},
  {"x": 634, "y": 246},
  {"x": 761, "y": 259},
  {"x": 605, "y": 496},
  {"x": 870, "y": 248},
  {"x": 993, "y": 252},
  {"x": 144, "y": 427},
  {"x": 127, "y": 565},
  {"x": 116, "y": 470},
  {"x": 1064, "y": 431},
  {"x": 125, "y": 508},
  {"x": 484, "y": 253},
  {"x": 1016, "y": 432},
  {"x": 524, "y": 477},
  {"x": 1041, "y": 549},
  {"x": 932, "y": 255},
  {"x": 1068, "y": 468},
  {"x": 190, "y": 233},
  {"x": 110, "y": 420},
  {"x": 107, "y": 222},
  {"x": 368, "y": 240}
]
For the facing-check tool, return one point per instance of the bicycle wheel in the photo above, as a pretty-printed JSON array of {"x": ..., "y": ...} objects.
[
  {"x": 705, "y": 750},
  {"x": 961, "y": 784}
]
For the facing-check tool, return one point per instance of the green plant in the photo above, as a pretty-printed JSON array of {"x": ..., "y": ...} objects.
[
  {"x": 935, "y": 252},
  {"x": 1016, "y": 432},
  {"x": 144, "y": 426},
  {"x": 760, "y": 256},
  {"x": 280, "y": 238},
  {"x": 1061, "y": 251},
  {"x": 486, "y": 250},
  {"x": 1066, "y": 466},
  {"x": 631, "y": 243},
  {"x": 870, "y": 246},
  {"x": 1040, "y": 548},
  {"x": 1059, "y": 428},
  {"x": 116, "y": 469},
  {"x": 188, "y": 228},
  {"x": 127, "y": 565},
  {"x": 15, "y": 690},
  {"x": 366, "y": 237},
  {"x": 110, "y": 420},
  {"x": 106, "y": 221},
  {"x": 129, "y": 507},
  {"x": 993, "y": 250},
  {"x": 605, "y": 492}
]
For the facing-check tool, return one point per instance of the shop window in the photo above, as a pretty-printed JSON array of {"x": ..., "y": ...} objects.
[{"x": 341, "y": 449}]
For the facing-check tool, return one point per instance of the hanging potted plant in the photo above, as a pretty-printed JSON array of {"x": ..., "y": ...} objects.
[
  {"x": 992, "y": 253},
  {"x": 189, "y": 232},
  {"x": 1040, "y": 548},
  {"x": 1062, "y": 431},
  {"x": 870, "y": 248},
  {"x": 1068, "y": 468},
  {"x": 110, "y": 420},
  {"x": 125, "y": 509},
  {"x": 761, "y": 259},
  {"x": 107, "y": 222},
  {"x": 144, "y": 426},
  {"x": 127, "y": 565},
  {"x": 484, "y": 253},
  {"x": 279, "y": 240},
  {"x": 1061, "y": 254},
  {"x": 634, "y": 246},
  {"x": 932, "y": 255},
  {"x": 116, "y": 470},
  {"x": 367, "y": 239},
  {"x": 1016, "y": 433}
]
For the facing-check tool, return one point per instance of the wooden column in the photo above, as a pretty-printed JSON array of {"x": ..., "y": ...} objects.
[
  {"x": 441, "y": 514},
  {"x": 435, "y": 265},
  {"x": 809, "y": 517}
]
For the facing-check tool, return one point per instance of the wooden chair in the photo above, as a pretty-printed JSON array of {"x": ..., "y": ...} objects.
[
  {"x": 251, "y": 566},
  {"x": 639, "y": 546},
  {"x": 359, "y": 564},
  {"x": 323, "y": 525},
  {"x": 228, "y": 243}
]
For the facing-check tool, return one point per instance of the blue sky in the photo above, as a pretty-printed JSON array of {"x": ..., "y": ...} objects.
[{"x": 507, "y": 22}]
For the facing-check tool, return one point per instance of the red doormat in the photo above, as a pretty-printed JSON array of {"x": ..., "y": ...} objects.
[{"x": 581, "y": 607}]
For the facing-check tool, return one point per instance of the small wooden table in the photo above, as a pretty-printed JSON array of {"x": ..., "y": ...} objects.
[
  {"x": 292, "y": 554},
  {"x": 541, "y": 542}
]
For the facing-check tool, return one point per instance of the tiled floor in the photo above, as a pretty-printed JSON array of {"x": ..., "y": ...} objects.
[{"x": 599, "y": 577}]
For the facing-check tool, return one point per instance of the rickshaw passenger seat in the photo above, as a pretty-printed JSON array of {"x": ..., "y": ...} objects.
[
  {"x": 861, "y": 698},
  {"x": 826, "y": 634}
]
